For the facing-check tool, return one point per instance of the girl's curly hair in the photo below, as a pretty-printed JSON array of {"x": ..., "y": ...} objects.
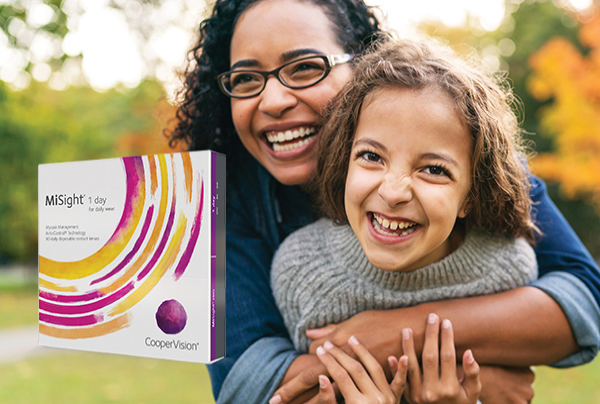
[
  {"x": 203, "y": 119},
  {"x": 499, "y": 186}
]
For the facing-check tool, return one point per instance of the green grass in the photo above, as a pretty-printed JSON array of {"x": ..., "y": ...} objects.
[
  {"x": 18, "y": 306},
  {"x": 578, "y": 385},
  {"x": 90, "y": 378}
]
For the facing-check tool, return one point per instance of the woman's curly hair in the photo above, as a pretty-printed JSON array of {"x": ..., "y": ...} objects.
[
  {"x": 500, "y": 184},
  {"x": 203, "y": 119}
]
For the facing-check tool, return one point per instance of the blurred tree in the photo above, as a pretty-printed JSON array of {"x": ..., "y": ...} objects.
[
  {"x": 39, "y": 125},
  {"x": 46, "y": 39},
  {"x": 570, "y": 79}
]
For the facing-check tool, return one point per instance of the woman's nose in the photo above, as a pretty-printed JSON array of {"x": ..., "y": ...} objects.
[
  {"x": 276, "y": 98},
  {"x": 396, "y": 189}
]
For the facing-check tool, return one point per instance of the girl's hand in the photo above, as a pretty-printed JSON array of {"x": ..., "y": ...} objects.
[
  {"x": 361, "y": 381},
  {"x": 438, "y": 382}
]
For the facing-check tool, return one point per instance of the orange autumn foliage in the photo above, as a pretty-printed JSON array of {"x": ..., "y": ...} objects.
[{"x": 571, "y": 80}]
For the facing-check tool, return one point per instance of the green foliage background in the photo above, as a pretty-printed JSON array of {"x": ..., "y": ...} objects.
[{"x": 39, "y": 125}]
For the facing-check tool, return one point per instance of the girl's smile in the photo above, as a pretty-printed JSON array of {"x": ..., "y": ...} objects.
[{"x": 408, "y": 178}]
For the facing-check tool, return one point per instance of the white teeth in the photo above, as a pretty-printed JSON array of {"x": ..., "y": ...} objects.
[
  {"x": 381, "y": 229},
  {"x": 278, "y": 137},
  {"x": 291, "y": 146},
  {"x": 394, "y": 225}
]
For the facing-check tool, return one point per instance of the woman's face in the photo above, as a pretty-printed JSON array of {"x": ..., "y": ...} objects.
[
  {"x": 268, "y": 34},
  {"x": 408, "y": 178}
]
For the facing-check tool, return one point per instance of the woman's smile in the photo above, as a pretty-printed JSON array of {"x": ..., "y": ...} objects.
[{"x": 280, "y": 125}]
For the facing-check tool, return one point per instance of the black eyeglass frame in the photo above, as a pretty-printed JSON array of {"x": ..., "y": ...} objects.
[{"x": 330, "y": 62}]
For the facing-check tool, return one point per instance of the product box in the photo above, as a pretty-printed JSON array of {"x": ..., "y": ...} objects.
[{"x": 132, "y": 256}]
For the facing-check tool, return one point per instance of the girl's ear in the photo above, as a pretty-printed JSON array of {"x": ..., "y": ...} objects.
[{"x": 465, "y": 208}]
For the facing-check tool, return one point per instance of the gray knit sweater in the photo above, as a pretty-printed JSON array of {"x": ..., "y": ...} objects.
[{"x": 320, "y": 276}]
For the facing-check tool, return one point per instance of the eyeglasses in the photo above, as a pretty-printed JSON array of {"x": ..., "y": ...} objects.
[{"x": 299, "y": 73}]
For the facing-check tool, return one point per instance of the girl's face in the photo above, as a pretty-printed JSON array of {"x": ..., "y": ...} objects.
[
  {"x": 268, "y": 34},
  {"x": 408, "y": 177}
]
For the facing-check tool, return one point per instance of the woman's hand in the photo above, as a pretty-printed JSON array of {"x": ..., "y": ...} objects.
[
  {"x": 380, "y": 344},
  {"x": 437, "y": 382},
  {"x": 359, "y": 381},
  {"x": 505, "y": 385}
]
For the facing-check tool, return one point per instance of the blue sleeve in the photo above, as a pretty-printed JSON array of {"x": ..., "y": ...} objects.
[
  {"x": 581, "y": 309},
  {"x": 559, "y": 253},
  {"x": 258, "y": 372},
  {"x": 251, "y": 312}
]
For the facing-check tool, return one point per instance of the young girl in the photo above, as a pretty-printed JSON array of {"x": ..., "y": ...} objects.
[{"x": 420, "y": 163}]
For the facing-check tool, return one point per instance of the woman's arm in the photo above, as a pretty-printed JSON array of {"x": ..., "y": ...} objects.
[{"x": 534, "y": 329}]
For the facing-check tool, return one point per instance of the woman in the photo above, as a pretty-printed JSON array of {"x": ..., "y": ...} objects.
[{"x": 266, "y": 202}]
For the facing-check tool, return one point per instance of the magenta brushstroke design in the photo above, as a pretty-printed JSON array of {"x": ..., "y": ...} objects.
[
  {"x": 187, "y": 254},
  {"x": 54, "y": 297},
  {"x": 89, "y": 307},
  {"x": 163, "y": 241},
  {"x": 71, "y": 298},
  {"x": 134, "y": 170},
  {"x": 72, "y": 321},
  {"x": 134, "y": 250}
]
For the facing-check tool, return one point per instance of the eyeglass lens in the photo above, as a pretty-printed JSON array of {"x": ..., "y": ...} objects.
[{"x": 302, "y": 73}]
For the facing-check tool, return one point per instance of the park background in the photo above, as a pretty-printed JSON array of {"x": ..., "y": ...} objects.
[{"x": 88, "y": 79}]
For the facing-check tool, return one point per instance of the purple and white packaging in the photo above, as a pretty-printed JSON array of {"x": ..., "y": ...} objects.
[{"x": 132, "y": 256}]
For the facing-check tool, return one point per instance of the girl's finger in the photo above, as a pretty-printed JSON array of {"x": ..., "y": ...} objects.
[
  {"x": 431, "y": 351},
  {"x": 355, "y": 369},
  {"x": 370, "y": 363},
  {"x": 399, "y": 381},
  {"x": 393, "y": 364},
  {"x": 326, "y": 393},
  {"x": 471, "y": 383},
  {"x": 448, "y": 354},
  {"x": 414, "y": 370},
  {"x": 338, "y": 373}
]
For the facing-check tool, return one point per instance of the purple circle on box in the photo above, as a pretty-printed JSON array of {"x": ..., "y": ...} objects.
[{"x": 171, "y": 317}]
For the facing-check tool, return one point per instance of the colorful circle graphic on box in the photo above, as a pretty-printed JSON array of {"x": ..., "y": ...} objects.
[
  {"x": 155, "y": 237},
  {"x": 171, "y": 317}
]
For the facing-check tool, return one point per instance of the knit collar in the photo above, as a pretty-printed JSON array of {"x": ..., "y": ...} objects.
[{"x": 465, "y": 264}]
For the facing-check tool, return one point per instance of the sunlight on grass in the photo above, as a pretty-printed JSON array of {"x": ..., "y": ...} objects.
[{"x": 90, "y": 378}]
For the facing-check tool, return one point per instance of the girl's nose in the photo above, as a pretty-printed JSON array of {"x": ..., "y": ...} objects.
[
  {"x": 276, "y": 98},
  {"x": 396, "y": 189}
]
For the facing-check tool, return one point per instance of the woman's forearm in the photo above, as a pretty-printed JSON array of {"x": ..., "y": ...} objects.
[{"x": 520, "y": 327}]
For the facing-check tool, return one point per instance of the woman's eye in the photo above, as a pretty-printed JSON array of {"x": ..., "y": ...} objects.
[
  {"x": 241, "y": 79},
  {"x": 436, "y": 170},
  {"x": 300, "y": 67}
]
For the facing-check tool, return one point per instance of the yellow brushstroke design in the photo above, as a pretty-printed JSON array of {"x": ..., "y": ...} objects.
[
  {"x": 166, "y": 261},
  {"x": 105, "y": 255}
]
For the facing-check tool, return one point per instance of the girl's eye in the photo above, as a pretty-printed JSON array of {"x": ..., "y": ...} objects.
[
  {"x": 369, "y": 156},
  {"x": 436, "y": 170}
]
